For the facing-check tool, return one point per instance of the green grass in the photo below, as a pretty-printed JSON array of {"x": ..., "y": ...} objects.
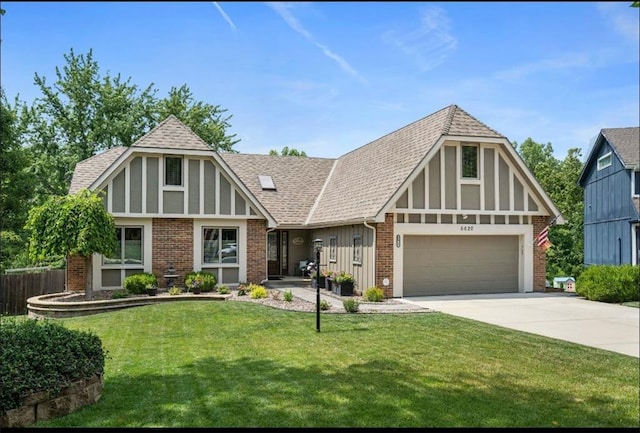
[{"x": 239, "y": 364}]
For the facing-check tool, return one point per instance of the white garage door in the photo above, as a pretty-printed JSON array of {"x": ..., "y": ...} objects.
[{"x": 455, "y": 265}]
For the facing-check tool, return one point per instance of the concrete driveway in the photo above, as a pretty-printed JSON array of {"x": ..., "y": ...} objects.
[{"x": 561, "y": 315}]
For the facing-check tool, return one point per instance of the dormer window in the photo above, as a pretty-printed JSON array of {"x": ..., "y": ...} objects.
[
  {"x": 173, "y": 170},
  {"x": 604, "y": 161}
]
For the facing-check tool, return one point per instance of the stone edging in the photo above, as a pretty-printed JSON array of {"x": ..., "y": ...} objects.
[
  {"x": 47, "y": 306},
  {"x": 40, "y": 407}
]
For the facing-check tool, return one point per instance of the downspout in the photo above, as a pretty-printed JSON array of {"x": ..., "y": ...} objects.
[{"x": 366, "y": 224}]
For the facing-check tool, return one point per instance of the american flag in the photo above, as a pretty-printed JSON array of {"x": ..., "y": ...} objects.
[{"x": 542, "y": 240}]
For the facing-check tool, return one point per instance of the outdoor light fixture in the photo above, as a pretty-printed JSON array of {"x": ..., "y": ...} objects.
[{"x": 317, "y": 246}]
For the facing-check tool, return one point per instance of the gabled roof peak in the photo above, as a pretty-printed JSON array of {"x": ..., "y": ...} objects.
[{"x": 171, "y": 133}]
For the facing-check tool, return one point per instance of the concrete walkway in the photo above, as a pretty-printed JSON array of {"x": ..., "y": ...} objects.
[{"x": 561, "y": 315}]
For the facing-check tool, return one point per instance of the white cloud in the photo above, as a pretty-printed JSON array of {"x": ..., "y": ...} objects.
[
  {"x": 623, "y": 18},
  {"x": 284, "y": 10},
  {"x": 430, "y": 44},
  {"x": 224, "y": 15}
]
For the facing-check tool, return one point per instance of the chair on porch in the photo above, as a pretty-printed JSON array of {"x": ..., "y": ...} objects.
[{"x": 302, "y": 267}]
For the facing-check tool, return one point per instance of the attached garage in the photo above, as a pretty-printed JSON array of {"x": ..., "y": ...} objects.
[{"x": 460, "y": 264}]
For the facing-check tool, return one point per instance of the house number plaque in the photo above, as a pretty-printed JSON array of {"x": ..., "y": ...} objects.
[
  {"x": 466, "y": 228},
  {"x": 297, "y": 241}
]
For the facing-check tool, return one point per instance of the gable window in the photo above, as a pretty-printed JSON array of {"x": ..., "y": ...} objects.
[
  {"x": 128, "y": 247},
  {"x": 470, "y": 161},
  {"x": 173, "y": 170},
  {"x": 333, "y": 249},
  {"x": 636, "y": 182},
  {"x": 604, "y": 161},
  {"x": 219, "y": 245},
  {"x": 357, "y": 249}
]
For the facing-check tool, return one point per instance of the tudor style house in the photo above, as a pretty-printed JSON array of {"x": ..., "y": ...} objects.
[
  {"x": 611, "y": 181},
  {"x": 444, "y": 205}
]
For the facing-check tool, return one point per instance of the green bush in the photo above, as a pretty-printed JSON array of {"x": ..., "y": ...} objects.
[
  {"x": 324, "y": 305},
  {"x": 610, "y": 283},
  {"x": 374, "y": 294},
  {"x": 137, "y": 283},
  {"x": 223, "y": 289},
  {"x": 119, "y": 294},
  {"x": 40, "y": 355},
  {"x": 351, "y": 305},
  {"x": 288, "y": 296},
  {"x": 174, "y": 291},
  {"x": 208, "y": 280},
  {"x": 258, "y": 292}
]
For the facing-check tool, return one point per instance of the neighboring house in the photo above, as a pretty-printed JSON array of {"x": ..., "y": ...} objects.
[
  {"x": 611, "y": 181},
  {"x": 444, "y": 205},
  {"x": 566, "y": 283}
]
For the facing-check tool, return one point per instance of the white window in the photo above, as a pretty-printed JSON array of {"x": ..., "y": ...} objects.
[
  {"x": 219, "y": 245},
  {"x": 357, "y": 249},
  {"x": 604, "y": 161},
  {"x": 333, "y": 249},
  {"x": 129, "y": 248},
  {"x": 469, "y": 167},
  {"x": 173, "y": 170}
]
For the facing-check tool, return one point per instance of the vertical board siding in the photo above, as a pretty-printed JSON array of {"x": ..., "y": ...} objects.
[
  {"x": 135, "y": 191},
  {"x": 15, "y": 289}
]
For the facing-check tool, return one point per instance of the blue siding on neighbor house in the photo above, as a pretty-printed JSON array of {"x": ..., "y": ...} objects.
[{"x": 608, "y": 211}]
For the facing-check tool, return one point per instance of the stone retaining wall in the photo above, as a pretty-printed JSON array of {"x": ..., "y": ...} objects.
[{"x": 40, "y": 407}]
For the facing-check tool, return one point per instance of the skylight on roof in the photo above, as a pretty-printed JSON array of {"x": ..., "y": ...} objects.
[{"x": 266, "y": 182}]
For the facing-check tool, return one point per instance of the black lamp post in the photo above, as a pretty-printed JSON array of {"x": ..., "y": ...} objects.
[{"x": 317, "y": 245}]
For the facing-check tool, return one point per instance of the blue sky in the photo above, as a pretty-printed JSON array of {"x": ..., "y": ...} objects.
[{"x": 327, "y": 78}]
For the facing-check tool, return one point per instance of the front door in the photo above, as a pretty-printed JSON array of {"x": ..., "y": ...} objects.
[{"x": 277, "y": 253}]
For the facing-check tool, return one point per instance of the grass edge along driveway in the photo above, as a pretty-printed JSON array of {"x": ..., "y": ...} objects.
[{"x": 237, "y": 364}]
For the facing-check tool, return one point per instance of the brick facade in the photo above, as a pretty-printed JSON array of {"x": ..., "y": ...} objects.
[
  {"x": 172, "y": 242},
  {"x": 539, "y": 256},
  {"x": 256, "y": 251},
  {"x": 75, "y": 273},
  {"x": 384, "y": 254}
]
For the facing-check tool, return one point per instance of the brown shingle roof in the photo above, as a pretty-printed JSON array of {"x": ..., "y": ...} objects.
[
  {"x": 365, "y": 179},
  {"x": 626, "y": 142},
  {"x": 298, "y": 182},
  {"x": 87, "y": 171},
  {"x": 171, "y": 134}
]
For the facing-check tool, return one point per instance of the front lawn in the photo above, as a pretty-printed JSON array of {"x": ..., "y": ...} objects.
[{"x": 239, "y": 364}]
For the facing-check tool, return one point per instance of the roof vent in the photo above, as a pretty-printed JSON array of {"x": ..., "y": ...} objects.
[{"x": 266, "y": 182}]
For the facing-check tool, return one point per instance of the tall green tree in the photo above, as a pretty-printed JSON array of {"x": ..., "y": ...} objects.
[
  {"x": 15, "y": 183},
  {"x": 207, "y": 121},
  {"x": 85, "y": 112},
  {"x": 72, "y": 225},
  {"x": 81, "y": 114},
  {"x": 559, "y": 178},
  {"x": 288, "y": 152}
]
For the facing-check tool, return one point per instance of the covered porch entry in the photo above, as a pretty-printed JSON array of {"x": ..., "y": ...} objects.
[{"x": 286, "y": 249}]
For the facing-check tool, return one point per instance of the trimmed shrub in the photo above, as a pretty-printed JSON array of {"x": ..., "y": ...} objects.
[
  {"x": 374, "y": 294},
  {"x": 223, "y": 289},
  {"x": 288, "y": 296},
  {"x": 41, "y": 355},
  {"x": 258, "y": 292},
  {"x": 610, "y": 283},
  {"x": 324, "y": 305},
  {"x": 208, "y": 280},
  {"x": 137, "y": 283},
  {"x": 351, "y": 305}
]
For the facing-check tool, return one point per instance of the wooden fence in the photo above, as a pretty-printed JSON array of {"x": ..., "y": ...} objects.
[{"x": 15, "y": 289}]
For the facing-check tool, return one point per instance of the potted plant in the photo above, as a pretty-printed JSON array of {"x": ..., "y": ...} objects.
[
  {"x": 328, "y": 277},
  {"x": 152, "y": 290},
  {"x": 317, "y": 281},
  {"x": 343, "y": 284},
  {"x": 195, "y": 285}
]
